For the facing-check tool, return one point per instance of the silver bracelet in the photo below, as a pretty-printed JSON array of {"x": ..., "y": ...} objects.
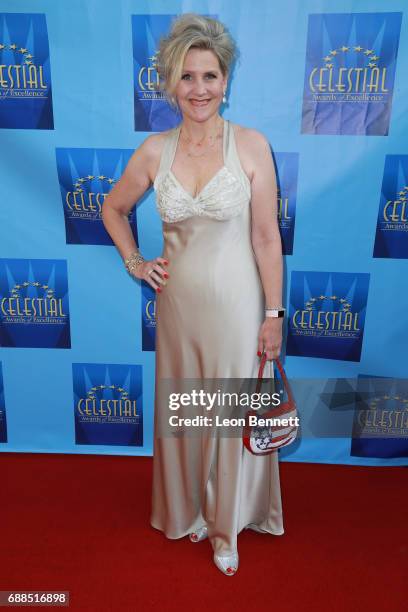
[{"x": 133, "y": 261}]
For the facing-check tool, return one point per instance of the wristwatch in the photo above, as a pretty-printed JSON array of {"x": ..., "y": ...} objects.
[{"x": 276, "y": 313}]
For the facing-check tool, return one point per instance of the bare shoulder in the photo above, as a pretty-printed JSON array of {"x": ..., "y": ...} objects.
[
  {"x": 249, "y": 137},
  {"x": 252, "y": 145},
  {"x": 149, "y": 152},
  {"x": 153, "y": 144}
]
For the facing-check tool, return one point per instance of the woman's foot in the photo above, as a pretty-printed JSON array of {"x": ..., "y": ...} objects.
[
  {"x": 228, "y": 565},
  {"x": 199, "y": 534}
]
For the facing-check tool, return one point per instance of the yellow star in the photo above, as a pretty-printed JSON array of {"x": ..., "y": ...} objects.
[
  {"x": 28, "y": 62},
  {"x": 333, "y": 52},
  {"x": 329, "y": 65},
  {"x": 13, "y": 46},
  {"x": 375, "y": 57},
  {"x": 368, "y": 51},
  {"x": 29, "y": 56},
  {"x": 358, "y": 48},
  {"x": 2, "y": 46},
  {"x": 327, "y": 58},
  {"x": 90, "y": 177},
  {"x": 110, "y": 180},
  {"x": 372, "y": 64},
  {"x": 343, "y": 48},
  {"x": 101, "y": 177}
]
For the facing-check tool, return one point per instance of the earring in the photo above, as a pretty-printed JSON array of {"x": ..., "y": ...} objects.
[{"x": 224, "y": 99}]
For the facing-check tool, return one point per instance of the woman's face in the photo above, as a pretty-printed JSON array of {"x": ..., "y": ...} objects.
[{"x": 201, "y": 87}]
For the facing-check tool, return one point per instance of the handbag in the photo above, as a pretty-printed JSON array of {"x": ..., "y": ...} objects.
[{"x": 268, "y": 438}]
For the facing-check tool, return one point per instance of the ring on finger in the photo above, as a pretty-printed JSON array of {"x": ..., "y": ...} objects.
[{"x": 149, "y": 272}]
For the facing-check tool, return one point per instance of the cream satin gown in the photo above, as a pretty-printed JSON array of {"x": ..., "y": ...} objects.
[{"x": 208, "y": 319}]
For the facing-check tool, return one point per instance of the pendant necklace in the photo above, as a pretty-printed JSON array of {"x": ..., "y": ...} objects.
[{"x": 211, "y": 138}]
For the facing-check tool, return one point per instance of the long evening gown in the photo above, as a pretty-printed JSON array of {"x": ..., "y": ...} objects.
[{"x": 208, "y": 319}]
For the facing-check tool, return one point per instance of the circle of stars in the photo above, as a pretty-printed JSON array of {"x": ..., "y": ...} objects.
[
  {"x": 92, "y": 392},
  {"x": 369, "y": 53},
  {"x": 49, "y": 292},
  {"x": 154, "y": 59},
  {"x": 403, "y": 194},
  {"x": 27, "y": 57},
  {"x": 374, "y": 402},
  {"x": 81, "y": 181},
  {"x": 311, "y": 304}
]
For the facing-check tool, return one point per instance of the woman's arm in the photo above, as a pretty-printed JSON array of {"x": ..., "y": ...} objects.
[
  {"x": 266, "y": 240},
  {"x": 134, "y": 182}
]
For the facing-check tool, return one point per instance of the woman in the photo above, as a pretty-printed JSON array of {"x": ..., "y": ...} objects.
[{"x": 217, "y": 197}]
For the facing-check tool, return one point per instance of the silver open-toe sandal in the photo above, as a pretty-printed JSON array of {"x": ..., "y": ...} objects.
[
  {"x": 228, "y": 565},
  {"x": 199, "y": 534}
]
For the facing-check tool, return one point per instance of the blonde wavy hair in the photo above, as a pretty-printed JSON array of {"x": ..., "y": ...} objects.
[{"x": 191, "y": 31}]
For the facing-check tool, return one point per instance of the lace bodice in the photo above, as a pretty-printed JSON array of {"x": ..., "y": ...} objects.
[{"x": 224, "y": 196}]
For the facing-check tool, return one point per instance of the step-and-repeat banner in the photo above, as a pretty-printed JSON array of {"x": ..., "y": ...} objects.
[{"x": 326, "y": 84}]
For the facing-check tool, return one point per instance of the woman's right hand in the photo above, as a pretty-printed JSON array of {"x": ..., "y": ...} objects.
[{"x": 153, "y": 272}]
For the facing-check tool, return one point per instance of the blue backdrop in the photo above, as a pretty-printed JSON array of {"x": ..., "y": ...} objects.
[{"x": 323, "y": 81}]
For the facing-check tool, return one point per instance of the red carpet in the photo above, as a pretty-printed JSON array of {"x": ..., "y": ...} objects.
[{"x": 80, "y": 523}]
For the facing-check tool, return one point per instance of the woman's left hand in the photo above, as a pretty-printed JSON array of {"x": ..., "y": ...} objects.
[{"x": 270, "y": 337}]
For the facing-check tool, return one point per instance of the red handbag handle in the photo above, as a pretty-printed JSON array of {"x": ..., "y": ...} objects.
[
  {"x": 282, "y": 373},
  {"x": 286, "y": 407}
]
